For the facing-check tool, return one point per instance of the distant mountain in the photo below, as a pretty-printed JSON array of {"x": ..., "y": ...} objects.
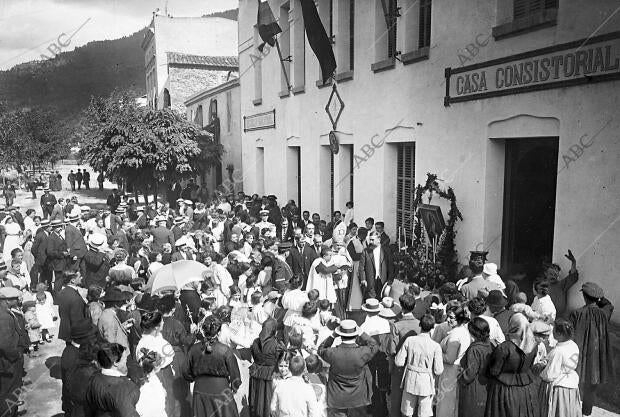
[
  {"x": 228, "y": 14},
  {"x": 67, "y": 81}
]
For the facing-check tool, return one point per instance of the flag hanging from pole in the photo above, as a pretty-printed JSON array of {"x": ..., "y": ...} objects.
[
  {"x": 318, "y": 39},
  {"x": 268, "y": 28}
]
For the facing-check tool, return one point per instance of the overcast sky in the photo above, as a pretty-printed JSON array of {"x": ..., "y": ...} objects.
[{"x": 28, "y": 27}]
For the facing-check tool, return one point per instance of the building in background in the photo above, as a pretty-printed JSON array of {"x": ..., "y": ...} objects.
[
  {"x": 510, "y": 102},
  {"x": 218, "y": 110},
  {"x": 183, "y": 55}
]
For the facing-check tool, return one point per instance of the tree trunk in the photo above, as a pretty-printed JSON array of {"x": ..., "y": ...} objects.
[
  {"x": 155, "y": 193},
  {"x": 146, "y": 194}
]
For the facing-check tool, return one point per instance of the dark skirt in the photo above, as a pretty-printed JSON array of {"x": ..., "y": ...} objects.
[
  {"x": 511, "y": 401},
  {"x": 214, "y": 398},
  {"x": 260, "y": 391},
  {"x": 472, "y": 399}
]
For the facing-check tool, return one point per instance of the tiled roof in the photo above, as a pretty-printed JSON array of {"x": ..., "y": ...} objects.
[{"x": 210, "y": 61}]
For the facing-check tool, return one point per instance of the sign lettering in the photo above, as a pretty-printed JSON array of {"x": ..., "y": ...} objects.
[{"x": 266, "y": 120}]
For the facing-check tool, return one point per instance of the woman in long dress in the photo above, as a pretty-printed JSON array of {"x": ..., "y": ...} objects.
[
  {"x": 355, "y": 249},
  {"x": 510, "y": 391},
  {"x": 559, "y": 392},
  {"x": 454, "y": 346},
  {"x": 472, "y": 379},
  {"x": 152, "y": 402},
  {"x": 265, "y": 351},
  {"x": 13, "y": 237},
  {"x": 212, "y": 366}
]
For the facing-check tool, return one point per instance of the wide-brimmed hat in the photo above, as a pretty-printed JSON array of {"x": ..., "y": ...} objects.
[
  {"x": 188, "y": 202},
  {"x": 74, "y": 218},
  {"x": 96, "y": 240},
  {"x": 9, "y": 292},
  {"x": 56, "y": 223},
  {"x": 84, "y": 209},
  {"x": 490, "y": 268},
  {"x": 389, "y": 310},
  {"x": 372, "y": 305},
  {"x": 593, "y": 290},
  {"x": 496, "y": 298},
  {"x": 46, "y": 189},
  {"x": 119, "y": 210},
  {"x": 115, "y": 294},
  {"x": 83, "y": 329},
  {"x": 348, "y": 328},
  {"x": 45, "y": 222},
  {"x": 139, "y": 209}
]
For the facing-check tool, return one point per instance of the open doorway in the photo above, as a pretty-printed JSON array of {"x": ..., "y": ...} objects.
[{"x": 530, "y": 181}]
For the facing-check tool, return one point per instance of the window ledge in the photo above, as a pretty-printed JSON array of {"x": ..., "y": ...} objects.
[
  {"x": 344, "y": 76},
  {"x": 298, "y": 89},
  {"x": 415, "y": 56},
  {"x": 535, "y": 21},
  {"x": 257, "y": 102},
  {"x": 384, "y": 65},
  {"x": 284, "y": 93},
  {"x": 321, "y": 84}
]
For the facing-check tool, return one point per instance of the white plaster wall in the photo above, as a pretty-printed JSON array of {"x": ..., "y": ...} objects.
[{"x": 454, "y": 142}]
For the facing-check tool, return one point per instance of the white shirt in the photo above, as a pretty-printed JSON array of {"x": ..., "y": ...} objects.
[
  {"x": 561, "y": 366},
  {"x": 376, "y": 253},
  {"x": 152, "y": 402},
  {"x": 348, "y": 216},
  {"x": 293, "y": 301},
  {"x": 293, "y": 397},
  {"x": 157, "y": 344}
]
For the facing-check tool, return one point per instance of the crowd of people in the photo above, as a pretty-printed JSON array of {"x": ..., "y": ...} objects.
[{"x": 293, "y": 316}]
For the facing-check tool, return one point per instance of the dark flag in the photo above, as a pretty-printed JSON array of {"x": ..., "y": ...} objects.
[
  {"x": 318, "y": 39},
  {"x": 268, "y": 28}
]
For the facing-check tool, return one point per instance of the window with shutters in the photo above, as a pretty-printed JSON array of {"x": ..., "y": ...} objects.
[
  {"x": 405, "y": 185},
  {"x": 228, "y": 110},
  {"x": 424, "y": 39},
  {"x": 285, "y": 48},
  {"x": 417, "y": 30},
  {"x": 198, "y": 117},
  {"x": 257, "y": 64},
  {"x": 516, "y": 17},
  {"x": 344, "y": 39},
  {"x": 166, "y": 98},
  {"x": 523, "y": 8},
  {"x": 386, "y": 50}
]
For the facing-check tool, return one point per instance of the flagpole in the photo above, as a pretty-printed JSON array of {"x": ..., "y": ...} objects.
[{"x": 288, "y": 84}]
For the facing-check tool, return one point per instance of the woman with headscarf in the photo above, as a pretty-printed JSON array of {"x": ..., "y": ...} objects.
[
  {"x": 265, "y": 351},
  {"x": 510, "y": 392},
  {"x": 212, "y": 366}
]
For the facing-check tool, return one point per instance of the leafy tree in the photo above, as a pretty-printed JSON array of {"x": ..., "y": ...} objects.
[
  {"x": 31, "y": 137},
  {"x": 144, "y": 146}
]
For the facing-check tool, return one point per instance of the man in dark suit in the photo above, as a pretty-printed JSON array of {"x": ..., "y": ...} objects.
[
  {"x": 114, "y": 200},
  {"x": 58, "y": 211},
  {"x": 87, "y": 180},
  {"x": 95, "y": 264},
  {"x": 385, "y": 239},
  {"x": 296, "y": 259},
  {"x": 190, "y": 300},
  {"x": 48, "y": 201},
  {"x": 161, "y": 234},
  {"x": 57, "y": 252},
  {"x": 349, "y": 385},
  {"x": 40, "y": 271},
  {"x": 177, "y": 229},
  {"x": 284, "y": 231},
  {"x": 71, "y": 306},
  {"x": 76, "y": 246},
  {"x": 142, "y": 222},
  {"x": 13, "y": 343},
  {"x": 376, "y": 267},
  {"x": 309, "y": 254}
]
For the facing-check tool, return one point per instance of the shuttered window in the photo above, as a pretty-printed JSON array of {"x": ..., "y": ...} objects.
[
  {"x": 392, "y": 14},
  {"x": 425, "y": 24},
  {"x": 523, "y": 8},
  {"x": 405, "y": 185},
  {"x": 198, "y": 117},
  {"x": 351, "y": 32}
]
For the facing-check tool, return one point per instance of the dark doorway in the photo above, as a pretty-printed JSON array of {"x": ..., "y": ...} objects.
[{"x": 529, "y": 206}]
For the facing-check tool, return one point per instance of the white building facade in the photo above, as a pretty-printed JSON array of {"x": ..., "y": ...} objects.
[
  {"x": 213, "y": 37},
  {"x": 512, "y": 103},
  {"x": 218, "y": 109}
]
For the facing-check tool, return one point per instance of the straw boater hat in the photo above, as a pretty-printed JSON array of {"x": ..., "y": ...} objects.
[
  {"x": 45, "y": 222},
  {"x": 56, "y": 223},
  {"x": 179, "y": 220},
  {"x": 264, "y": 212},
  {"x": 348, "y": 328},
  {"x": 372, "y": 305},
  {"x": 159, "y": 219},
  {"x": 541, "y": 328},
  {"x": 74, "y": 218},
  {"x": 389, "y": 310},
  {"x": 188, "y": 202},
  {"x": 84, "y": 209},
  {"x": 96, "y": 241},
  {"x": 140, "y": 209}
]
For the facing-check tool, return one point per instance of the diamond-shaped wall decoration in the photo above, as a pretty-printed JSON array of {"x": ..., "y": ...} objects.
[{"x": 334, "y": 106}]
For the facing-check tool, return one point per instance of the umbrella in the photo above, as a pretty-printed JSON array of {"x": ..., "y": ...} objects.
[{"x": 175, "y": 275}]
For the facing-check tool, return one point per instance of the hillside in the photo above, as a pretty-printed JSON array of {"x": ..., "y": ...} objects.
[{"x": 67, "y": 81}]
